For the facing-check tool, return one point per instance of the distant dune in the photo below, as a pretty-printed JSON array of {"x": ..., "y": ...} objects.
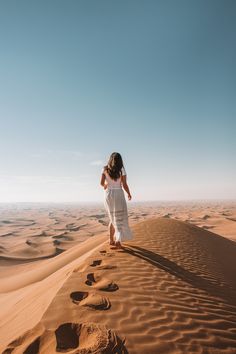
[
  {"x": 171, "y": 290},
  {"x": 34, "y": 234}
]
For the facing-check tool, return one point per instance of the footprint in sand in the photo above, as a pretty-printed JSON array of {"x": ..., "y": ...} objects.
[
  {"x": 100, "y": 283},
  {"x": 95, "y": 263},
  {"x": 92, "y": 300},
  {"x": 78, "y": 296},
  {"x": 70, "y": 337},
  {"x": 87, "y": 338},
  {"x": 105, "y": 253},
  {"x": 102, "y": 265}
]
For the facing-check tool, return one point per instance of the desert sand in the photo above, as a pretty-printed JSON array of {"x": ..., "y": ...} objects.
[{"x": 170, "y": 290}]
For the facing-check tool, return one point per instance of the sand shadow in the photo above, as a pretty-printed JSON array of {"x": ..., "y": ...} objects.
[{"x": 196, "y": 281}]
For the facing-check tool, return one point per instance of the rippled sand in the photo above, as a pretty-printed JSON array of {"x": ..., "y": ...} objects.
[{"x": 171, "y": 290}]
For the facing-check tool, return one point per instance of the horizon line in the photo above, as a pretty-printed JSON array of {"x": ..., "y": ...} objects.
[{"x": 132, "y": 201}]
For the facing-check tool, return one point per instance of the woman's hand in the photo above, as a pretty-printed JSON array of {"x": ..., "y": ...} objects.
[
  {"x": 105, "y": 186},
  {"x": 129, "y": 196}
]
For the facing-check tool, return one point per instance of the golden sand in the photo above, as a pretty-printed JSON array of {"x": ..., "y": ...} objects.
[{"x": 171, "y": 290}]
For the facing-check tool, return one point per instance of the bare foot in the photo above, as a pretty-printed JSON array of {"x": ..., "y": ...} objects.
[
  {"x": 112, "y": 241},
  {"x": 118, "y": 245}
]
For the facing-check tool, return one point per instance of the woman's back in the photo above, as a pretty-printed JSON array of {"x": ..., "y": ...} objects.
[
  {"x": 111, "y": 183},
  {"x": 113, "y": 180}
]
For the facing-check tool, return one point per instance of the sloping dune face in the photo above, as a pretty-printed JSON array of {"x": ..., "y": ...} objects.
[
  {"x": 171, "y": 290},
  {"x": 189, "y": 274}
]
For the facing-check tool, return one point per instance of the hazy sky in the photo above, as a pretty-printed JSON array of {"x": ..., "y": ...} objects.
[{"x": 154, "y": 80}]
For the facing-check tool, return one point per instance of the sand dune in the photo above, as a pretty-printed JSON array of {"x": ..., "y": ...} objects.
[
  {"x": 28, "y": 295},
  {"x": 40, "y": 233},
  {"x": 171, "y": 290},
  {"x": 45, "y": 232}
]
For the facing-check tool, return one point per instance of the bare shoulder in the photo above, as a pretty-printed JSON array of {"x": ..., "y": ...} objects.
[{"x": 123, "y": 171}]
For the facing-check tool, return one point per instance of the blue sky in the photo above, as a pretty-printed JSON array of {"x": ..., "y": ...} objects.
[{"x": 154, "y": 80}]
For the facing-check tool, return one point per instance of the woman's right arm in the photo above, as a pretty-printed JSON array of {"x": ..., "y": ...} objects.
[
  {"x": 103, "y": 180},
  {"x": 125, "y": 186}
]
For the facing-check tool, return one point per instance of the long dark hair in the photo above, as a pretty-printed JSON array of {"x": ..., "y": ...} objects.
[{"x": 114, "y": 165}]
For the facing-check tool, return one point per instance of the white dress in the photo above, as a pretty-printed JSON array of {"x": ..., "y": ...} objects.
[{"x": 115, "y": 204}]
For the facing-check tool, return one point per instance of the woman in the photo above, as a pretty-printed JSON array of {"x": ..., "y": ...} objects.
[{"x": 112, "y": 180}]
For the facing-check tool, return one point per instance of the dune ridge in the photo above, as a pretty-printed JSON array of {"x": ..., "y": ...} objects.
[
  {"x": 29, "y": 295},
  {"x": 171, "y": 290}
]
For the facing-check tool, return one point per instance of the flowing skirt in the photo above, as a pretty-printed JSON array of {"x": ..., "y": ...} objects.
[{"x": 116, "y": 207}]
